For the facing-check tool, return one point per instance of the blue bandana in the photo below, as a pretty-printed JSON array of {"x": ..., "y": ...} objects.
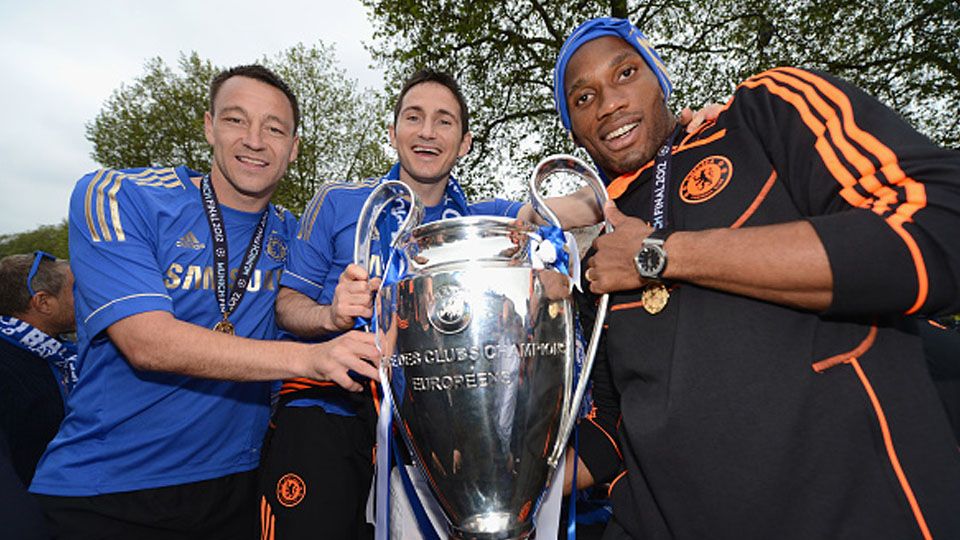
[{"x": 591, "y": 30}]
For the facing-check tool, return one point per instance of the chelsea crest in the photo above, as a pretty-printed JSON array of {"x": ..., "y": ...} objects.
[{"x": 276, "y": 248}]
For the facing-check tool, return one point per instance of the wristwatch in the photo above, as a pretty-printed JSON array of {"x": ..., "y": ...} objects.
[{"x": 651, "y": 260}]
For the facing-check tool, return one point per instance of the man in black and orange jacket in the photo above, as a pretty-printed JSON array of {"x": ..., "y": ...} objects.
[{"x": 762, "y": 336}]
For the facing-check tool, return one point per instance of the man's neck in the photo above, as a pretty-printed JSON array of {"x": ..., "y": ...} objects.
[
  {"x": 228, "y": 196},
  {"x": 39, "y": 322},
  {"x": 429, "y": 193}
]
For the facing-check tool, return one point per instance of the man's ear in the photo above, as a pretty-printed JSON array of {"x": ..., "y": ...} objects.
[
  {"x": 42, "y": 303},
  {"x": 392, "y": 134},
  {"x": 295, "y": 149},
  {"x": 465, "y": 144},
  {"x": 208, "y": 127}
]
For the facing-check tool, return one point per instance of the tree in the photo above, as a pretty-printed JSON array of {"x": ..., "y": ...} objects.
[
  {"x": 49, "y": 238},
  {"x": 902, "y": 51},
  {"x": 342, "y": 131},
  {"x": 157, "y": 120}
]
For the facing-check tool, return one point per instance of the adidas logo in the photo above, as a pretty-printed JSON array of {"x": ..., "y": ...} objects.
[{"x": 190, "y": 241}]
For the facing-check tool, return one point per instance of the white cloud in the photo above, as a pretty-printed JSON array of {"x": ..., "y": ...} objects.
[{"x": 62, "y": 59}]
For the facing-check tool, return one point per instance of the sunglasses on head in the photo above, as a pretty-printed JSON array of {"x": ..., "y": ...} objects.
[{"x": 37, "y": 257}]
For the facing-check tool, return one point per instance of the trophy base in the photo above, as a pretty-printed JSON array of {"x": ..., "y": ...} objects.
[{"x": 492, "y": 526}]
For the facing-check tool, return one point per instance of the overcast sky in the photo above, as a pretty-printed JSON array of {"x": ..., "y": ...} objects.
[{"x": 61, "y": 60}]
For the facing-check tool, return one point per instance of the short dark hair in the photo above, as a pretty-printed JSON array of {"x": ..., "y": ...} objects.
[
  {"x": 439, "y": 77},
  {"x": 14, "y": 297},
  {"x": 262, "y": 74}
]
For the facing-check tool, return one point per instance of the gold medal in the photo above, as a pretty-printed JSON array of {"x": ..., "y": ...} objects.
[
  {"x": 224, "y": 327},
  {"x": 655, "y": 297}
]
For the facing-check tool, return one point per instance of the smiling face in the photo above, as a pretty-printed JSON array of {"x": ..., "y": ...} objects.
[
  {"x": 616, "y": 105},
  {"x": 428, "y": 135},
  {"x": 252, "y": 134}
]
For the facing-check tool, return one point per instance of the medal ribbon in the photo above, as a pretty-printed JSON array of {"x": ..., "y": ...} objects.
[
  {"x": 660, "y": 192},
  {"x": 228, "y": 302}
]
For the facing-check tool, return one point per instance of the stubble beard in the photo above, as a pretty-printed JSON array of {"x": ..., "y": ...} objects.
[
  {"x": 660, "y": 128},
  {"x": 264, "y": 194}
]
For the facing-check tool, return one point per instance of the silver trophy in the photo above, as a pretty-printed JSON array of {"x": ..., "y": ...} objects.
[{"x": 478, "y": 353}]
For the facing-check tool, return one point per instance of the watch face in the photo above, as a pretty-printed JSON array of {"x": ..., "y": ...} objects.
[{"x": 650, "y": 261}]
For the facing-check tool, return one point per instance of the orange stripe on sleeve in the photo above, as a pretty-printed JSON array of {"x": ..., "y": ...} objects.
[
  {"x": 839, "y": 128},
  {"x": 822, "y": 145}
]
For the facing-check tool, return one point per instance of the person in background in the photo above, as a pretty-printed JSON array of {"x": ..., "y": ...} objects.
[{"x": 37, "y": 371}]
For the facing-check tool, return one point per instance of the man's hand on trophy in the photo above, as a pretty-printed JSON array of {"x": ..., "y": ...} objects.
[
  {"x": 353, "y": 297},
  {"x": 612, "y": 267},
  {"x": 343, "y": 358}
]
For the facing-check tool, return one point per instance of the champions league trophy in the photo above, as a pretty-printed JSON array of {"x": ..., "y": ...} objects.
[{"x": 478, "y": 354}]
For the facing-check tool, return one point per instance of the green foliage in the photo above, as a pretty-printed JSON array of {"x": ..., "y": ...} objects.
[
  {"x": 902, "y": 51},
  {"x": 49, "y": 238},
  {"x": 157, "y": 120},
  {"x": 341, "y": 130}
]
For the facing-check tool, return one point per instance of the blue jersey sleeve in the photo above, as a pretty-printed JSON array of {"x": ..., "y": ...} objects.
[
  {"x": 311, "y": 247},
  {"x": 496, "y": 207},
  {"x": 113, "y": 250}
]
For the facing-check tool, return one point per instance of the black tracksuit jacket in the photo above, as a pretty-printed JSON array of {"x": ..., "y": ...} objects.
[{"x": 745, "y": 419}]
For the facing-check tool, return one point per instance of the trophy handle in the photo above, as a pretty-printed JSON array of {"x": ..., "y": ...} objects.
[
  {"x": 379, "y": 200},
  {"x": 565, "y": 164},
  {"x": 546, "y": 167}
]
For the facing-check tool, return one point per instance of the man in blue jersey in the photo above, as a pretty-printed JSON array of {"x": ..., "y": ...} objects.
[
  {"x": 176, "y": 277},
  {"x": 318, "y": 465}
]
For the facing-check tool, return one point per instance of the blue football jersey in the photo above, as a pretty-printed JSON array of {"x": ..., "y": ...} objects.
[{"x": 140, "y": 241}]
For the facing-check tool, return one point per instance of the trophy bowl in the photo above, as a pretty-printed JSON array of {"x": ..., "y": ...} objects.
[{"x": 478, "y": 356}]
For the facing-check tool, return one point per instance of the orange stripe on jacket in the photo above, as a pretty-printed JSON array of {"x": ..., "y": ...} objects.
[
  {"x": 822, "y": 145},
  {"x": 613, "y": 441},
  {"x": 852, "y": 358},
  {"x": 764, "y": 191},
  {"x": 268, "y": 521},
  {"x": 892, "y": 452},
  {"x": 614, "y": 482},
  {"x": 838, "y": 130},
  {"x": 846, "y": 357},
  {"x": 621, "y": 183}
]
